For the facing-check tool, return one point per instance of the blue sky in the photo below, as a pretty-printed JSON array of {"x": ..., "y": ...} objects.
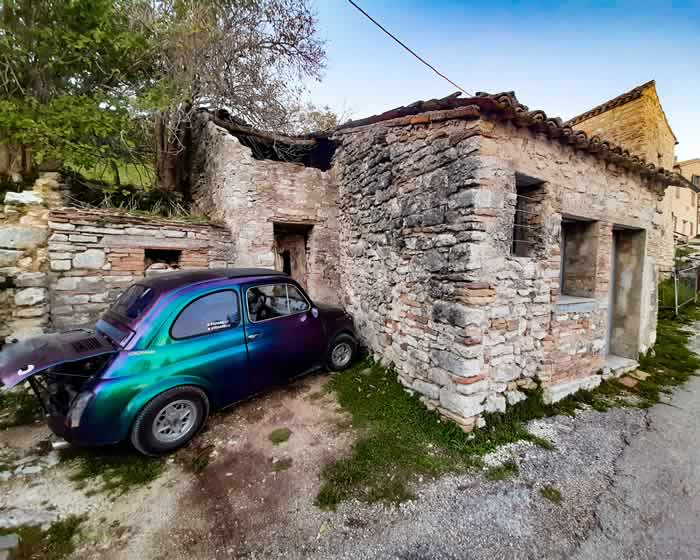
[{"x": 562, "y": 57}]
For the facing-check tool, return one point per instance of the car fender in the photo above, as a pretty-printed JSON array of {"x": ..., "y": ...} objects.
[
  {"x": 142, "y": 398},
  {"x": 343, "y": 329}
]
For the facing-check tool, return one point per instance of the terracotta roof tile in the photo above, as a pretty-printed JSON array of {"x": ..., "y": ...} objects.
[{"x": 505, "y": 106}]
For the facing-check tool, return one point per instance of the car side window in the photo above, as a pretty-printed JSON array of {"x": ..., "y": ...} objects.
[
  {"x": 269, "y": 301},
  {"x": 210, "y": 313}
]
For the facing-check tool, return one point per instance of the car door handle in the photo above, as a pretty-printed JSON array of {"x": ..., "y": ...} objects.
[{"x": 253, "y": 336}]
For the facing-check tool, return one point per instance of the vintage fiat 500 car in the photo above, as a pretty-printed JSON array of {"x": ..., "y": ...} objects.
[{"x": 171, "y": 348}]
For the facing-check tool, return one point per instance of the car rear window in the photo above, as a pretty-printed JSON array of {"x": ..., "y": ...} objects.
[
  {"x": 133, "y": 302},
  {"x": 209, "y": 313}
]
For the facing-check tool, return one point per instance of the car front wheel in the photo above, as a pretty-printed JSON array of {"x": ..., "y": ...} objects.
[
  {"x": 169, "y": 420},
  {"x": 342, "y": 352}
]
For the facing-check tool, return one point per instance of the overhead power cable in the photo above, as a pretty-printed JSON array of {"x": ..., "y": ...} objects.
[{"x": 395, "y": 38}]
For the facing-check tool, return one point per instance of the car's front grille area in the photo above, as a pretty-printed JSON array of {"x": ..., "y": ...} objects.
[{"x": 86, "y": 345}]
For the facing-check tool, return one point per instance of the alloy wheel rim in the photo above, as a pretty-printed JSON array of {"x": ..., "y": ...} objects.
[
  {"x": 174, "y": 421},
  {"x": 341, "y": 354}
]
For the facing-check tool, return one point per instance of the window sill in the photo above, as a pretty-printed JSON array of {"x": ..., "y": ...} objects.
[{"x": 574, "y": 304}]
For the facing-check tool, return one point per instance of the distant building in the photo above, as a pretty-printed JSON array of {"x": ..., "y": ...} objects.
[
  {"x": 690, "y": 169},
  {"x": 637, "y": 121}
]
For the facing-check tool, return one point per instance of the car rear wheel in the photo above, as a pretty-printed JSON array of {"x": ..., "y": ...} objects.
[
  {"x": 170, "y": 420},
  {"x": 342, "y": 352}
]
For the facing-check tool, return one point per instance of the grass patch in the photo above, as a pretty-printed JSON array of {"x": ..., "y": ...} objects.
[
  {"x": 670, "y": 362},
  {"x": 56, "y": 542},
  {"x": 508, "y": 469},
  {"x": 280, "y": 435},
  {"x": 282, "y": 464},
  {"x": 118, "y": 470},
  {"x": 550, "y": 493},
  {"x": 140, "y": 175},
  {"x": 22, "y": 407}
]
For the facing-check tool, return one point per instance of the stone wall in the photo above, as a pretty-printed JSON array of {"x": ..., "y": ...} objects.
[
  {"x": 24, "y": 260},
  {"x": 253, "y": 197},
  {"x": 95, "y": 254},
  {"x": 640, "y": 125},
  {"x": 427, "y": 208}
]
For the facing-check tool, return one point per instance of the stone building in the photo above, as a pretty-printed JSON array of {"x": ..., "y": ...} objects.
[
  {"x": 690, "y": 170},
  {"x": 481, "y": 247},
  {"x": 636, "y": 120}
]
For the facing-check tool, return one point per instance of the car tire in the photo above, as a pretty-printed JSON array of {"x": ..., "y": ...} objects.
[
  {"x": 170, "y": 420},
  {"x": 341, "y": 352}
]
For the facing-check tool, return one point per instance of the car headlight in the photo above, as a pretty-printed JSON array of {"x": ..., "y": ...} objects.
[{"x": 77, "y": 408}]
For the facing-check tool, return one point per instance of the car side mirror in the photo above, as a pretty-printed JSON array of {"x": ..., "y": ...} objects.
[{"x": 314, "y": 312}]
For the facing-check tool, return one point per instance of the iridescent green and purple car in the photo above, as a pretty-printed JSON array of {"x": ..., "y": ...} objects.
[{"x": 171, "y": 348}]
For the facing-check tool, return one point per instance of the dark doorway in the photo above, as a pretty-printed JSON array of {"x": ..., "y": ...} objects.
[
  {"x": 287, "y": 262},
  {"x": 291, "y": 248}
]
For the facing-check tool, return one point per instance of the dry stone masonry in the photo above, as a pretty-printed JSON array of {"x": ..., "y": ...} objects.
[
  {"x": 438, "y": 285},
  {"x": 60, "y": 268},
  {"x": 24, "y": 259},
  {"x": 95, "y": 254},
  {"x": 270, "y": 206}
]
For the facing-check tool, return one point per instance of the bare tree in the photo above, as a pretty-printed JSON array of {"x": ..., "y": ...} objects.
[
  {"x": 306, "y": 118},
  {"x": 246, "y": 56}
]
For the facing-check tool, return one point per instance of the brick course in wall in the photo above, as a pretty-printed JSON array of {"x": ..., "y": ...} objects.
[{"x": 95, "y": 254}]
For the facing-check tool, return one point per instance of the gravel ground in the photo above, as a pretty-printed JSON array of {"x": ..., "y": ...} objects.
[
  {"x": 629, "y": 482},
  {"x": 470, "y": 517}
]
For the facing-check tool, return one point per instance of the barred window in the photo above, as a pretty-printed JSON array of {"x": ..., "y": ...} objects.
[{"x": 528, "y": 221}]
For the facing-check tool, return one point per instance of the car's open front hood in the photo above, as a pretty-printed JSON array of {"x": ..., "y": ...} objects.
[{"x": 22, "y": 360}]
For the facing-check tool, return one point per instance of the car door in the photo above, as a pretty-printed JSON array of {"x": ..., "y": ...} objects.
[
  {"x": 206, "y": 339},
  {"x": 285, "y": 335}
]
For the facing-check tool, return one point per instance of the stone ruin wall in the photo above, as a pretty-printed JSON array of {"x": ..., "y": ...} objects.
[
  {"x": 411, "y": 232},
  {"x": 426, "y": 214},
  {"x": 95, "y": 254},
  {"x": 641, "y": 127},
  {"x": 24, "y": 258},
  {"x": 60, "y": 268},
  {"x": 250, "y": 196}
]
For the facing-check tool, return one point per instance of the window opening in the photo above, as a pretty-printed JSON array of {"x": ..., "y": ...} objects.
[{"x": 528, "y": 221}]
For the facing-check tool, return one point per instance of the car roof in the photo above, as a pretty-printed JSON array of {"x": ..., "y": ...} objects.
[{"x": 167, "y": 281}]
